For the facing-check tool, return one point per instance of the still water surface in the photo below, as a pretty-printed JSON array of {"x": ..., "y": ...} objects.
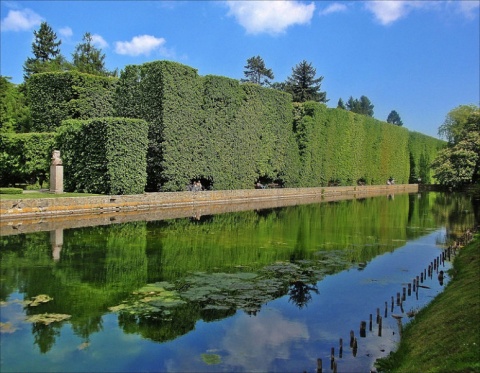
[{"x": 255, "y": 291}]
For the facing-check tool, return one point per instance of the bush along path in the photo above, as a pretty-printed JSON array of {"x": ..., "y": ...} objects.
[{"x": 445, "y": 335}]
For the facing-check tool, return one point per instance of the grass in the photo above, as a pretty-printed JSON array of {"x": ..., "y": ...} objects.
[
  {"x": 30, "y": 194},
  {"x": 444, "y": 337}
]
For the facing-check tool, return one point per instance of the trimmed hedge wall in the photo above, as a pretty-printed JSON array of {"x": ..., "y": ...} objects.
[
  {"x": 57, "y": 96},
  {"x": 422, "y": 151},
  {"x": 338, "y": 147},
  {"x": 230, "y": 135},
  {"x": 25, "y": 158},
  {"x": 104, "y": 155},
  {"x": 211, "y": 128},
  {"x": 214, "y": 129}
]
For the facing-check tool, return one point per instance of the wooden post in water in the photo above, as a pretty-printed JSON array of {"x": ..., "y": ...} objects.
[
  {"x": 386, "y": 309},
  {"x": 340, "y": 349},
  {"x": 391, "y": 308},
  {"x": 319, "y": 365},
  {"x": 334, "y": 367},
  {"x": 398, "y": 299},
  {"x": 352, "y": 337},
  {"x": 421, "y": 277},
  {"x": 404, "y": 294},
  {"x": 371, "y": 318},
  {"x": 409, "y": 289},
  {"x": 363, "y": 327},
  {"x": 378, "y": 314},
  {"x": 355, "y": 347},
  {"x": 380, "y": 327}
]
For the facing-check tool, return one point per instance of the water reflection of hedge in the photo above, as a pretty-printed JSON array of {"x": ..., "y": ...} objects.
[{"x": 101, "y": 266}]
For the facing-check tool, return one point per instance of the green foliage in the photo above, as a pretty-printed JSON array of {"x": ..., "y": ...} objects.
[
  {"x": 54, "y": 97},
  {"x": 457, "y": 123},
  {"x": 14, "y": 111},
  {"x": 256, "y": 72},
  {"x": 25, "y": 158},
  {"x": 104, "y": 155},
  {"x": 459, "y": 163},
  {"x": 338, "y": 147},
  {"x": 394, "y": 118},
  {"x": 11, "y": 190},
  {"x": 89, "y": 59},
  {"x": 303, "y": 85},
  {"x": 360, "y": 106},
  {"x": 212, "y": 128},
  {"x": 46, "y": 51},
  {"x": 423, "y": 149}
]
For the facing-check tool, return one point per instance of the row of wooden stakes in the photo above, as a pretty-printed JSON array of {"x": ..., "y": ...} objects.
[{"x": 412, "y": 287}]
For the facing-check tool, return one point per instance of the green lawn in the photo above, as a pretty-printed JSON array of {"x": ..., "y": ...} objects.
[{"x": 31, "y": 194}]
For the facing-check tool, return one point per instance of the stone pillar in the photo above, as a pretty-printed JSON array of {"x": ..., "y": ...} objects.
[
  {"x": 56, "y": 240},
  {"x": 56, "y": 173}
]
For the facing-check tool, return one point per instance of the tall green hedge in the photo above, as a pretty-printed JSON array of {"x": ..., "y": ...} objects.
[
  {"x": 104, "y": 155},
  {"x": 422, "y": 151},
  {"x": 230, "y": 134},
  {"x": 338, "y": 147},
  {"x": 210, "y": 128},
  {"x": 57, "y": 96},
  {"x": 25, "y": 158}
]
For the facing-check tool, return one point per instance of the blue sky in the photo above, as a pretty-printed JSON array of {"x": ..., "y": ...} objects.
[{"x": 420, "y": 58}]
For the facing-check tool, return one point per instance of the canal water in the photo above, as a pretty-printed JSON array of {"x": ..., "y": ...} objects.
[{"x": 255, "y": 291}]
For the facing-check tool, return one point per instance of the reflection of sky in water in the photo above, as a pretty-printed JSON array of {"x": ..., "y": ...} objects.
[{"x": 281, "y": 337}]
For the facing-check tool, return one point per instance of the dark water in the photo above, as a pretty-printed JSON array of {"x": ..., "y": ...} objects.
[{"x": 256, "y": 291}]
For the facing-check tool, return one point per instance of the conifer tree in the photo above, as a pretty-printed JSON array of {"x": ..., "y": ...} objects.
[
  {"x": 89, "y": 59},
  {"x": 46, "y": 51},
  {"x": 303, "y": 85},
  {"x": 394, "y": 118},
  {"x": 256, "y": 72}
]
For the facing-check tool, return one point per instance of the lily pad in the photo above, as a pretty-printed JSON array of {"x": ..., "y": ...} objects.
[
  {"x": 211, "y": 359},
  {"x": 6, "y": 327},
  {"x": 47, "y": 318},
  {"x": 39, "y": 299}
]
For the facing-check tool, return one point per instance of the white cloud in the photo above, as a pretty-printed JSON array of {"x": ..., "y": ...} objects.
[
  {"x": 66, "y": 32},
  {"x": 387, "y": 12},
  {"x": 20, "y": 20},
  {"x": 143, "y": 44},
  {"x": 333, "y": 8},
  {"x": 272, "y": 17},
  {"x": 469, "y": 9},
  {"x": 99, "y": 41}
]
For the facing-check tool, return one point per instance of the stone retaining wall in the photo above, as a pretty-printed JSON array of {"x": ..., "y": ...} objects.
[{"x": 13, "y": 209}]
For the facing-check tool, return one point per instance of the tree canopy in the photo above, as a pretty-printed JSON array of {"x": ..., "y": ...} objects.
[
  {"x": 303, "y": 85},
  {"x": 256, "y": 72},
  {"x": 14, "y": 110},
  {"x": 458, "y": 164},
  {"x": 394, "y": 118},
  {"x": 46, "y": 51},
  {"x": 362, "y": 106},
  {"x": 89, "y": 59}
]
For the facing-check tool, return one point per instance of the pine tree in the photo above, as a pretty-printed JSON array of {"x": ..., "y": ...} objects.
[
  {"x": 256, "y": 72},
  {"x": 340, "y": 104},
  {"x": 46, "y": 51},
  {"x": 303, "y": 85},
  {"x": 362, "y": 106},
  {"x": 89, "y": 59}
]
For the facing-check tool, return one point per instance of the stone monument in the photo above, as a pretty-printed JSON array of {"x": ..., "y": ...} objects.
[{"x": 56, "y": 173}]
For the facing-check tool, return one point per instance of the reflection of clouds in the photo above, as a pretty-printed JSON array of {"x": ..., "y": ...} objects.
[{"x": 254, "y": 342}]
